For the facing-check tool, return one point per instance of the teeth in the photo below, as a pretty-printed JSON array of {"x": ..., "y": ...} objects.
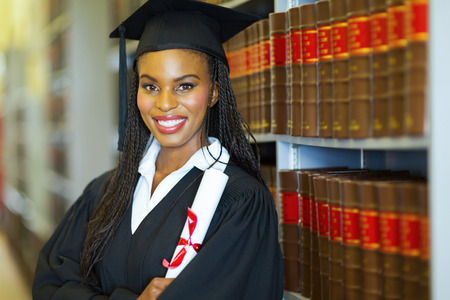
[{"x": 170, "y": 123}]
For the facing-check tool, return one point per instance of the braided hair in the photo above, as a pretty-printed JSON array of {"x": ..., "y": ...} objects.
[{"x": 222, "y": 121}]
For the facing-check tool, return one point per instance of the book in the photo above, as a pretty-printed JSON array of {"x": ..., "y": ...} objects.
[
  {"x": 360, "y": 48},
  {"x": 370, "y": 240},
  {"x": 416, "y": 67},
  {"x": 409, "y": 202},
  {"x": 265, "y": 93},
  {"x": 305, "y": 241},
  {"x": 295, "y": 67},
  {"x": 391, "y": 260},
  {"x": 290, "y": 217},
  {"x": 424, "y": 241},
  {"x": 379, "y": 31},
  {"x": 396, "y": 65},
  {"x": 341, "y": 96},
  {"x": 278, "y": 72},
  {"x": 325, "y": 66},
  {"x": 309, "y": 99},
  {"x": 316, "y": 289},
  {"x": 320, "y": 187}
]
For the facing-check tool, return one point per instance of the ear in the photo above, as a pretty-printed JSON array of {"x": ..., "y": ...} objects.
[{"x": 215, "y": 96}]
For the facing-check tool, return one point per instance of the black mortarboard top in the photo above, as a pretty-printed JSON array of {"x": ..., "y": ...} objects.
[{"x": 176, "y": 24}]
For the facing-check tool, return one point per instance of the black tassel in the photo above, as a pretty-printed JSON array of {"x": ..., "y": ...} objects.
[{"x": 122, "y": 87}]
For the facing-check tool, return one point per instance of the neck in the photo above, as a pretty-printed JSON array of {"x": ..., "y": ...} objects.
[{"x": 171, "y": 159}]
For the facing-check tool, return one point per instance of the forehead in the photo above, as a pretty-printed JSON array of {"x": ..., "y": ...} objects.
[{"x": 182, "y": 59}]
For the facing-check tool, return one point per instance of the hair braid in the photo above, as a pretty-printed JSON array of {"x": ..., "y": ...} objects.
[{"x": 112, "y": 207}]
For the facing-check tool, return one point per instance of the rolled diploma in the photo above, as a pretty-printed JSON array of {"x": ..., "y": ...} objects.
[{"x": 205, "y": 203}]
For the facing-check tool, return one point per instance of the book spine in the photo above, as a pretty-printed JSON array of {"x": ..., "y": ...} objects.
[
  {"x": 250, "y": 78},
  {"x": 410, "y": 239},
  {"x": 325, "y": 66},
  {"x": 336, "y": 291},
  {"x": 305, "y": 235},
  {"x": 360, "y": 48},
  {"x": 316, "y": 290},
  {"x": 278, "y": 68},
  {"x": 416, "y": 65},
  {"x": 379, "y": 67},
  {"x": 320, "y": 187},
  {"x": 397, "y": 49},
  {"x": 339, "y": 26},
  {"x": 309, "y": 99},
  {"x": 424, "y": 242},
  {"x": 290, "y": 218},
  {"x": 296, "y": 70},
  {"x": 370, "y": 241},
  {"x": 391, "y": 261},
  {"x": 351, "y": 241},
  {"x": 265, "y": 93}
]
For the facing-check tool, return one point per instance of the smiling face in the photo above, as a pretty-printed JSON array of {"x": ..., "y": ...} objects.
[{"x": 173, "y": 95}]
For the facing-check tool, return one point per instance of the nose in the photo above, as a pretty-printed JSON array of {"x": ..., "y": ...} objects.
[{"x": 166, "y": 101}]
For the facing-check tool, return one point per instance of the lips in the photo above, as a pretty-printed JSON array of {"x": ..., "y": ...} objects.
[{"x": 169, "y": 124}]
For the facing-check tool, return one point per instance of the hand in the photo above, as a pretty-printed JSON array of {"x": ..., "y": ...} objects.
[{"x": 155, "y": 288}]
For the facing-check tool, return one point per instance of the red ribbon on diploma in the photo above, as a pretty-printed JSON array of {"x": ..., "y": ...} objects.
[{"x": 178, "y": 259}]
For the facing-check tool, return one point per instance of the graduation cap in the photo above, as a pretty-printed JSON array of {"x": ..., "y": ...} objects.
[{"x": 176, "y": 24}]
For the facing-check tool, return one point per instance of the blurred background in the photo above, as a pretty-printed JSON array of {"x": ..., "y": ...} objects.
[{"x": 58, "y": 124}]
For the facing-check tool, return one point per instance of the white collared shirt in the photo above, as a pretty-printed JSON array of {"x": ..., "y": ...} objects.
[{"x": 143, "y": 202}]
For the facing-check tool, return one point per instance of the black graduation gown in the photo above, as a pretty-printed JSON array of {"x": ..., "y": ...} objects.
[{"x": 240, "y": 257}]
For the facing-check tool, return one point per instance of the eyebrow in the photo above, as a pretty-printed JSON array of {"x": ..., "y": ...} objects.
[{"x": 176, "y": 79}]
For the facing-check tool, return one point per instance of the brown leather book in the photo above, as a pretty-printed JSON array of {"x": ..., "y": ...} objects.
[
  {"x": 424, "y": 242},
  {"x": 295, "y": 75},
  {"x": 290, "y": 221},
  {"x": 320, "y": 188},
  {"x": 316, "y": 290},
  {"x": 351, "y": 239},
  {"x": 341, "y": 91},
  {"x": 309, "y": 99},
  {"x": 305, "y": 252},
  {"x": 379, "y": 67},
  {"x": 410, "y": 239},
  {"x": 336, "y": 291},
  {"x": 265, "y": 93},
  {"x": 391, "y": 260},
  {"x": 278, "y": 71},
  {"x": 416, "y": 67},
  {"x": 254, "y": 98},
  {"x": 360, "y": 48},
  {"x": 370, "y": 241},
  {"x": 396, "y": 57},
  {"x": 325, "y": 66}
]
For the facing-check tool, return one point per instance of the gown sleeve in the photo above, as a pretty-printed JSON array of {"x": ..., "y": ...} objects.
[
  {"x": 241, "y": 257},
  {"x": 58, "y": 273}
]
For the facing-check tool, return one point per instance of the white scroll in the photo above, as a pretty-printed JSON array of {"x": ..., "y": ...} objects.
[{"x": 204, "y": 206}]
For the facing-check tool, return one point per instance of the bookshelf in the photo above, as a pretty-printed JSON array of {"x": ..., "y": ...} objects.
[{"x": 425, "y": 156}]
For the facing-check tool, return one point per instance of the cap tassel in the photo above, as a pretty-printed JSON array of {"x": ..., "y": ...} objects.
[{"x": 122, "y": 87}]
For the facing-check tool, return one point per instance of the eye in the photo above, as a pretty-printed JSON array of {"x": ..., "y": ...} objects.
[
  {"x": 184, "y": 87},
  {"x": 150, "y": 87}
]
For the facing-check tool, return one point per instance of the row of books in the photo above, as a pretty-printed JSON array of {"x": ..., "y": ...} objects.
[
  {"x": 355, "y": 234},
  {"x": 334, "y": 68}
]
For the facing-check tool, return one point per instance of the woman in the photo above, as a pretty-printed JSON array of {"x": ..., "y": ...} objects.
[{"x": 181, "y": 120}]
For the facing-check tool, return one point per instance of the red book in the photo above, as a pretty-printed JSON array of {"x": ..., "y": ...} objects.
[
  {"x": 360, "y": 48},
  {"x": 295, "y": 74},
  {"x": 290, "y": 221},
  {"x": 278, "y": 71},
  {"x": 309, "y": 77},
  {"x": 416, "y": 66},
  {"x": 379, "y": 67},
  {"x": 397, "y": 52},
  {"x": 264, "y": 57},
  {"x": 341, "y": 91},
  {"x": 424, "y": 241},
  {"x": 325, "y": 66}
]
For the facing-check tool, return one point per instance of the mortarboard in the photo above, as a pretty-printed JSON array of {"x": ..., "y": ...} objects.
[{"x": 176, "y": 24}]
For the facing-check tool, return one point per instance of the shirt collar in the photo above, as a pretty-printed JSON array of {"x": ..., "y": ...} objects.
[{"x": 202, "y": 159}]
